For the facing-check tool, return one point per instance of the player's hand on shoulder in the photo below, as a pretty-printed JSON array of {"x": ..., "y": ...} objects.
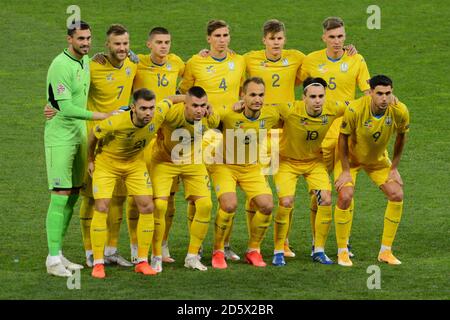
[
  {"x": 239, "y": 106},
  {"x": 209, "y": 110},
  {"x": 99, "y": 58},
  {"x": 204, "y": 53},
  {"x": 393, "y": 100},
  {"x": 49, "y": 112},
  {"x": 133, "y": 57},
  {"x": 351, "y": 50}
]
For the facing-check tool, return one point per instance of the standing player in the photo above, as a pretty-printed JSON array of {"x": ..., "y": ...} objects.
[
  {"x": 367, "y": 127},
  {"x": 159, "y": 71},
  {"x": 65, "y": 140},
  {"x": 110, "y": 89},
  {"x": 308, "y": 121},
  {"x": 244, "y": 128},
  {"x": 280, "y": 70},
  {"x": 114, "y": 151},
  {"x": 343, "y": 72},
  {"x": 183, "y": 127},
  {"x": 220, "y": 74}
]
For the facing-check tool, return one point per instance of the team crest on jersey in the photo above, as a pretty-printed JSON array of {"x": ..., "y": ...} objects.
[
  {"x": 368, "y": 124},
  {"x": 128, "y": 71},
  {"x": 388, "y": 121},
  {"x": 322, "y": 68},
  {"x": 324, "y": 119},
  {"x": 284, "y": 62},
  {"x": 109, "y": 77},
  {"x": 344, "y": 67},
  {"x": 231, "y": 65},
  {"x": 262, "y": 123},
  {"x": 168, "y": 66},
  {"x": 60, "y": 89},
  {"x": 210, "y": 69}
]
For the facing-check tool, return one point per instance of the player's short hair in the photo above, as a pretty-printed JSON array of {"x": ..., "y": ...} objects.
[
  {"x": 77, "y": 25},
  {"x": 331, "y": 23},
  {"x": 380, "y": 80},
  {"x": 144, "y": 94},
  {"x": 197, "y": 92},
  {"x": 313, "y": 82},
  {"x": 214, "y": 25},
  {"x": 273, "y": 26},
  {"x": 157, "y": 30},
  {"x": 116, "y": 29},
  {"x": 256, "y": 80}
]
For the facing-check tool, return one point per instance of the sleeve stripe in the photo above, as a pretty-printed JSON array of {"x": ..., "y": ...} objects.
[{"x": 51, "y": 97}]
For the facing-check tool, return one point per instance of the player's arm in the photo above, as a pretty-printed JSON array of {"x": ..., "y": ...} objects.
[
  {"x": 92, "y": 145},
  {"x": 213, "y": 118},
  {"x": 177, "y": 98},
  {"x": 345, "y": 176},
  {"x": 394, "y": 175},
  {"x": 188, "y": 79},
  {"x": 50, "y": 112}
]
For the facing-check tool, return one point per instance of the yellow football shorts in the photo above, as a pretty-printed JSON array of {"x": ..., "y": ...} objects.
[
  {"x": 378, "y": 172},
  {"x": 249, "y": 177},
  {"x": 315, "y": 174},
  {"x": 108, "y": 171},
  {"x": 194, "y": 176}
]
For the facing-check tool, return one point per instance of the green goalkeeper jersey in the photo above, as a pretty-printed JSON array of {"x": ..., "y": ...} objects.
[{"x": 68, "y": 82}]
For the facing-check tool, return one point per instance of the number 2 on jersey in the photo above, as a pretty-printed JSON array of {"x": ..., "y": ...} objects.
[{"x": 275, "y": 78}]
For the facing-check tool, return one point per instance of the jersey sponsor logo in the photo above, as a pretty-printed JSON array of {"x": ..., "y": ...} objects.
[
  {"x": 210, "y": 69},
  {"x": 56, "y": 182},
  {"x": 324, "y": 119},
  {"x": 231, "y": 65},
  {"x": 262, "y": 124},
  {"x": 109, "y": 77},
  {"x": 151, "y": 127},
  {"x": 303, "y": 121},
  {"x": 388, "y": 121},
  {"x": 98, "y": 129},
  {"x": 344, "y": 67},
  {"x": 128, "y": 71},
  {"x": 168, "y": 66},
  {"x": 285, "y": 62},
  {"x": 263, "y": 64},
  {"x": 60, "y": 89}
]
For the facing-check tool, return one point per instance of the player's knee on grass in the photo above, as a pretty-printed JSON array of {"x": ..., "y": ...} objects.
[
  {"x": 287, "y": 202},
  {"x": 144, "y": 204},
  {"x": 345, "y": 197}
]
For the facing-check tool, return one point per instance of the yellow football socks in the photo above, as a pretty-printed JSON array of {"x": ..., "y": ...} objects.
[
  {"x": 259, "y": 227},
  {"x": 281, "y": 227},
  {"x": 160, "y": 225},
  {"x": 222, "y": 223},
  {"x": 145, "y": 230},
  {"x": 322, "y": 224},
  {"x": 342, "y": 222},
  {"x": 392, "y": 219},
  {"x": 98, "y": 234},
  {"x": 200, "y": 224}
]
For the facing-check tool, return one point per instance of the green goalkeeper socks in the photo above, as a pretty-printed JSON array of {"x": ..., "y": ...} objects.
[
  {"x": 68, "y": 211},
  {"x": 55, "y": 221}
]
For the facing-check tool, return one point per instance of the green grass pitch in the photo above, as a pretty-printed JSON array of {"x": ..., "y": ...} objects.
[{"x": 412, "y": 47}]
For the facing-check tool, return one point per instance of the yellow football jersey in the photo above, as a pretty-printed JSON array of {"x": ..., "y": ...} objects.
[
  {"x": 244, "y": 139},
  {"x": 110, "y": 87},
  {"x": 220, "y": 79},
  {"x": 342, "y": 75},
  {"x": 369, "y": 135},
  {"x": 279, "y": 76},
  {"x": 302, "y": 134},
  {"x": 122, "y": 140},
  {"x": 161, "y": 79},
  {"x": 178, "y": 138}
]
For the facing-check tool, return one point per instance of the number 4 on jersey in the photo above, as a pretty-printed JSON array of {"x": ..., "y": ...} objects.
[{"x": 223, "y": 85}]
